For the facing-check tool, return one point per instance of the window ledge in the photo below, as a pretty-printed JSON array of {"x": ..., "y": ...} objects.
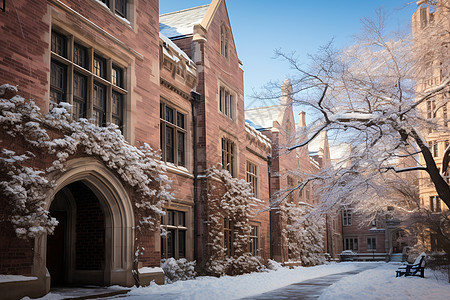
[{"x": 178, "y": 170}]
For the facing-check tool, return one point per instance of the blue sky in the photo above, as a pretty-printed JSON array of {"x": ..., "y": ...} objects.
[{"x": 259, "y": 27}]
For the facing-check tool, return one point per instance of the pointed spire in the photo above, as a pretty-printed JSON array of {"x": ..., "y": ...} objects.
[{"x": 286, "y": 92}]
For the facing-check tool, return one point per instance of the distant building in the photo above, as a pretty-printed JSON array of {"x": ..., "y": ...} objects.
[
  {"x": 431, "y": 37},
  {"x": 288, "y": 169},
  {"x": 172, "y": 81}
]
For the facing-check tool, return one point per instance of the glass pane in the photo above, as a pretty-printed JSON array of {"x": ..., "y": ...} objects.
[
  {"x": 180, "y": 120},
  {"x": 181, "y": 243},
  {"x": 57, "y": 82},
  {"x": 170, "y": 144},
  {"x": 170, "y": 217},
  {"x": 99, "y": 117},
  {"x": 169, "y": 115},
  {"x": 121, "y": 6},
  {"x": 117, "y": 104},
  {"x": 181, "y": 153},
  {"x": 79, "y": 86},
  {"x": 163, "y": 247},
  {"x": 99, "y": 96},
  {"x": 58, "y": 44},
  {"x": 181, "y": 219},
  {"x": 58, "y": 75},
  {"x": 170, "y": 243},
  {"x": 79, "y": 55},
  {"x": 116, "y": 76},
  {"x": 99, "y": 66}
]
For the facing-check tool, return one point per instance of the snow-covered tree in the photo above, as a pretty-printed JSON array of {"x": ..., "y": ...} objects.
[
  {"x": 232, "y": 201},
  {"x": 365, "y": 95},
  {"x": 25, "y": 185},
  {"x": 305, "y": 236}
]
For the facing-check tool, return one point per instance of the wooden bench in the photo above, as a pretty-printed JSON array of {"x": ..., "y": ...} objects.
[{"x": 415, "y": 269}]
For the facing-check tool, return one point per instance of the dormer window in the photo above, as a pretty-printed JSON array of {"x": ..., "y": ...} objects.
[{"x": 224, "y": 41}]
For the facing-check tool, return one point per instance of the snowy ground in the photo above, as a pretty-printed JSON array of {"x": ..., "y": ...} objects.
[
  {"x": 235, "y": 287},
  {"x": 381, "y": 283},
  {"x": 376, "y": 283}
]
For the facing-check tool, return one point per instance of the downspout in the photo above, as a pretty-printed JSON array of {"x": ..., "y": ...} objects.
[
  {"x": 269, "y": 164},
  {"x": 195, "y": 100}
]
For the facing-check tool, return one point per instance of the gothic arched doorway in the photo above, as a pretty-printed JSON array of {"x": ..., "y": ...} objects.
[
  {"x": 76, "y": 250},
  {"x": 94, "y": 241}
]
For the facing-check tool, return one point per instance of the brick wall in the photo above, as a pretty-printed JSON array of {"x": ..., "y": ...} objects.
[
  {"x": 90, "y": 229},
  {"x": 16, "y": 255}
]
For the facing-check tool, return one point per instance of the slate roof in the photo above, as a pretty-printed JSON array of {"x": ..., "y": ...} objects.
[
  {"x": 263, "y": 117},
  {"x": 180, "y": 24}
]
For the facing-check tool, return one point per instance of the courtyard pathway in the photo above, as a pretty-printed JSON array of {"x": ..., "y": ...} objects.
[{"x": 309, "y": 289}]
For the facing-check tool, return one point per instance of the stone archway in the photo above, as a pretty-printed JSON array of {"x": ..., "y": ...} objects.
[{"x": 112, "y": 219}]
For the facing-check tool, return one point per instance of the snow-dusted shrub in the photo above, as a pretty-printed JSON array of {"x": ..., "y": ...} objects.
[
  {"x": 57, "y": 137},
  {"x": 230, "y": 198},
  {"x": 180, "y": 269},
  {"x": 304, "y": 233},
  {"x": 273, "y": 265}
]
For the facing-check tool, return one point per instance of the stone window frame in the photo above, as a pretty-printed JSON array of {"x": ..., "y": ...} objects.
[
  {"x": 347, "y": 217},
  {"x": 227, "y": 102},
  {"x": 228, "y": 237},
  {"x": 164, "y": 124},
  {"x": 372, "y": 242},
  {"x": 252, "y": 176},
  {"x": 229, "y": 157},
  {"x": 74, "y": 68},
  {"x": 224, "y": 41},
  {"x": 176, "y": 228},
  {"x": 351, "y": 243},
  {"x": 122, "y": 11},
  {"x": 255, "y": 239}
]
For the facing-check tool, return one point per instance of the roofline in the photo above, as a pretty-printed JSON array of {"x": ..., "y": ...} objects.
[
  {"x": 183, "y": 10},
  {"x": 210, "y": 13},
  {"x": 260, "y": 107}
]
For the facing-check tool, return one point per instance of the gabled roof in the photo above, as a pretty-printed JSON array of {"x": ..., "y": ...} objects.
[
  {"x": 180, "y": 24},
  {"x": 263, "y": 117}
]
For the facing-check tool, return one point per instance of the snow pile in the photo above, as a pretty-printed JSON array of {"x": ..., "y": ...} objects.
[
  {"x": 231, "y": 199},
  {"x": 15, "y": 278},
  {"x": 180, "y": 269},
  {"x": 57, "y": 137},
  {"x": 236, "y": 287},
  {"x": 381, "y": 283},
  {"x": 304, "y": 233}
]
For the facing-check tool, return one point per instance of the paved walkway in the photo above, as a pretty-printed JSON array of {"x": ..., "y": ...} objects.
[{"x": 309, "y": 289}]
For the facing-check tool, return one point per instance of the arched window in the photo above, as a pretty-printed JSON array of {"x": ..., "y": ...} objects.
[{"x": 223, "y": 41}]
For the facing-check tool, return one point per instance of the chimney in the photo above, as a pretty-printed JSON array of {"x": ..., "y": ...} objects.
[{"x": 302, "y": 121}]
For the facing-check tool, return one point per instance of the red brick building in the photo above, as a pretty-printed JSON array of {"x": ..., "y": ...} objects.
[
  {"x": 111, "y": 63},
  {"x": 173, "y": 82}
]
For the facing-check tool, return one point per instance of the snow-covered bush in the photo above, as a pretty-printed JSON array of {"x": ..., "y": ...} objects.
[
  {"x": 304, "y": 233},
  {"x": 230, "y": 198},
  {"x": 273, "y": 265},
  {"x": 24, "y": 187},
  {"x": 180, "y": 269}
]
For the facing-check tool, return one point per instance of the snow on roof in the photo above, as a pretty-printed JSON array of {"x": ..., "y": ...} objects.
[
  {"x": 258, "y": 135},
  {"x": 174, "y": 47},
  {"x": 263, "y": 117},
  {"x": 181, "y": 23}
]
